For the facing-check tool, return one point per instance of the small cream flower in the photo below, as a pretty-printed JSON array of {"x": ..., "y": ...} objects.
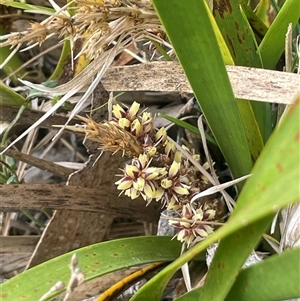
[
  {"x": 118, "y": 111},
  {"x": 133, "y": 111}
]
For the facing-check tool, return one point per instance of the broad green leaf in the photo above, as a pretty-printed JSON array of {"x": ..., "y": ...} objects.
[
  {"x": 197, "y": 49},
  {"x": 231, "y": 254},
  {"x": 94, "y": 261},
  {"x": 262, "y": 196},
  {"x": 272, "y": 45},
  {"x": 187, "y": 126},
  {"x": 258, "y": 282},
  {"x": 10, "y": 97}
]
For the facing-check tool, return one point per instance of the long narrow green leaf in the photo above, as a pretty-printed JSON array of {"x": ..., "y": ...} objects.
[
  {"x": 189, "y": 28},
  {"x": 262, "y": 196},
  {"x": 94, "y": 261},
  {"x": 272, "y": 45},
  {"x": 258, "y": 27},
  {"x": 187, "y": 126},
  {"x": 258, "y": 282}
]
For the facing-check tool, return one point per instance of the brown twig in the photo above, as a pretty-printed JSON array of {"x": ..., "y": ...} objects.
[
  {"x": 39, "y": 163},
  {"x": 28, "y": 117}
]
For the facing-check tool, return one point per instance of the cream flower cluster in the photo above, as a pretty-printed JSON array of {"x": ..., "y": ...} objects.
[{"x": 161, "y": 173}]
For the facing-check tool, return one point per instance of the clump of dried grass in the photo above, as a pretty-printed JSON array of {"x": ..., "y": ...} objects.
[{"x": 97, "y": 23}]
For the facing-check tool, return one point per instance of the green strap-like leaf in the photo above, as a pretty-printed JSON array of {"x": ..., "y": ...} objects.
[
  {"x": 236, "y": 32},
  {"x": 187, "y": 126},
  {"x": 94, "y": 261},
  {"x": 29, "y": 7},
  {"x": 272, "y": 45}
]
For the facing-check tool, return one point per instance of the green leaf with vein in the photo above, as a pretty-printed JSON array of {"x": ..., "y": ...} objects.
[
  {"x": 198, "y": 51},
  {"x": 258, "y": 282},
  {"x": 187, "y": 126},
  {"x": 272, "y": 45},
  {"x": 264, "y": 193},
  {"x": 94, "y": 261}
]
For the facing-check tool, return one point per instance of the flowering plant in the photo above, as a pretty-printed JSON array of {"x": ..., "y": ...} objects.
[{"x": 158, "y": 170}]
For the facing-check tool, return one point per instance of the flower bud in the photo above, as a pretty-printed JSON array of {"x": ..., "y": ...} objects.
[
  {"x": 124, "y": 183},
  {"x": 161, "y": 135},
  {"x": 118, "y": 111},
  {"x": 136, "y": 128},
  {"x": 139, "y": 184},
  {"x": 133, "y": 110},
  {"x": 174, "y": 170}
]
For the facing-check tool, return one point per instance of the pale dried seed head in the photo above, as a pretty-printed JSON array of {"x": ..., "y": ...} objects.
[{"x": 111, "y": 137}]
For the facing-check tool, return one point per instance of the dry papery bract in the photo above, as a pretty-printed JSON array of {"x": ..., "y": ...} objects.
[
  {"x": 98, "y": 23},
  {"x": 157, "y": 171}
]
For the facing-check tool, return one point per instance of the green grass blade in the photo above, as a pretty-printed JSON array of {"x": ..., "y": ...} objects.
[
  {"x": 198, "y": 52},
  {"x": 258, "y": 27},
  {"x": 95, "y": 260},
  {"x": 272, "y": 45},
  {"x": 187, "y": 126},
  {"x": 262, "y": 196}
]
